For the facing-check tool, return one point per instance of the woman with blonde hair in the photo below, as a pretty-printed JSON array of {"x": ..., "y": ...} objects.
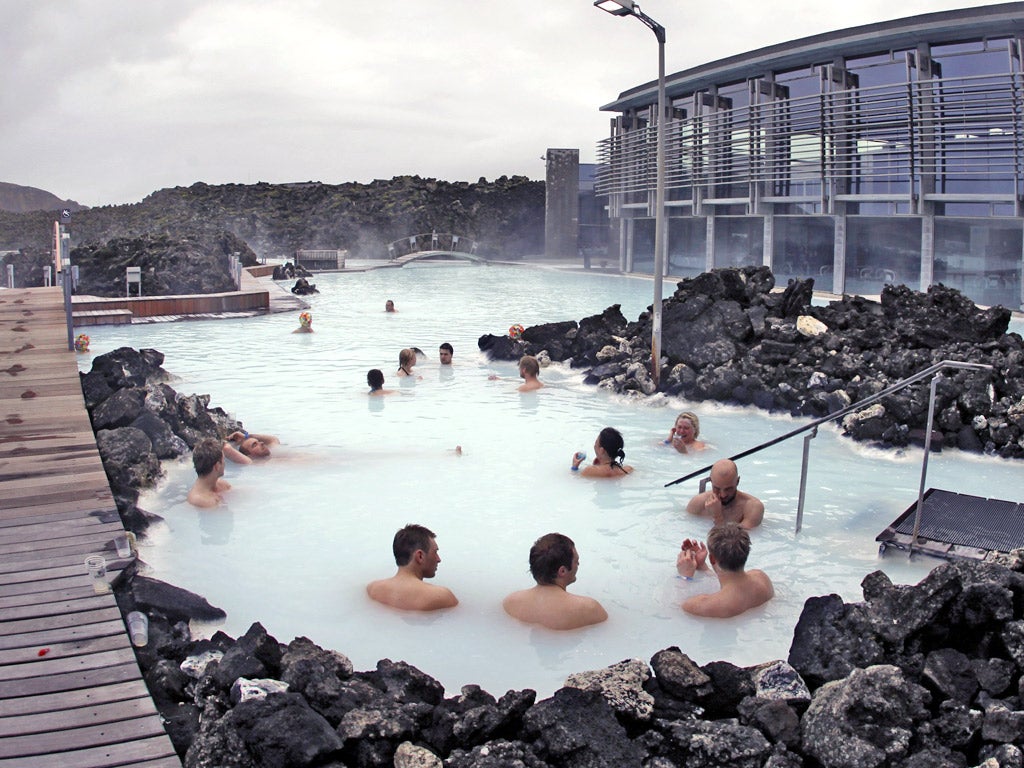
[{"x": 685, "y": 431}]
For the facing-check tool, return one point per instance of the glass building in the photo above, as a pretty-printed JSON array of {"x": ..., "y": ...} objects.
[{"x": 887, "y": 153}]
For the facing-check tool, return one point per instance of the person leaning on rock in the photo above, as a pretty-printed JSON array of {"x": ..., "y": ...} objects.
[{"x": 416, "y": 555}]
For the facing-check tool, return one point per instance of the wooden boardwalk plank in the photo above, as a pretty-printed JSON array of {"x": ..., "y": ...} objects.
[{"x": 82, "y": 702}]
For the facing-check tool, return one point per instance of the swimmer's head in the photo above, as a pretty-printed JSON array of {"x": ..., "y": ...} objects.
[
  {"x": 407, "y": 358},
  {"x": 445, "y": 353},
  {"x": 254, "y": 448},
  {"x": 548, "y": 554},
  {"x": 375, "y": 378},
  {"x": 528, "y": 365},
  {"x": 305, "y": 319},
  {"x": 205, "y": 455},
  {"x": 688, "y": 418},
  {"x": 389, "y": 306},
  {"x": 610, "y": 439},
  {"x": 409, "y": 539},
  {"x": 729, "y": 545}
]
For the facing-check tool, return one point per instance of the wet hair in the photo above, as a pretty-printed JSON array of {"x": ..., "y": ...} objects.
[
  {"x": 529, "y": 364},
  {"x": 375, "y": 378},
  {"x": 410, "y": 539},
  {"x": 205, "y": 455},
  {"x": 729, "y": 545},
  {"x": 405, "y": 357},
  {"x": 448, "y": 348},
  {"x": 389, "y": 304},
  {"x": 549, "y": 553},
  {"x": 691, "y": 417},
  {"x": 241, "y": 447},
  {"x": 611, "y": 440}
]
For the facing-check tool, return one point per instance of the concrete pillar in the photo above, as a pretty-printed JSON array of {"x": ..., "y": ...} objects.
[{"x": 562, "y": 204}]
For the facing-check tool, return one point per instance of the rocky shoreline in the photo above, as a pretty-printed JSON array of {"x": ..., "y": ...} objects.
[
  {"x": 912, "y": 677},
  {"x": 728, "y": 337}
]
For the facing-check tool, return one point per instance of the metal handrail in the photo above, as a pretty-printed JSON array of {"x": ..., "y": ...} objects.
[{"x": 932, "y": 370}]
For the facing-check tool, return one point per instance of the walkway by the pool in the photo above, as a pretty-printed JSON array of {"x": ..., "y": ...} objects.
[{"x": 71, "y": 693}]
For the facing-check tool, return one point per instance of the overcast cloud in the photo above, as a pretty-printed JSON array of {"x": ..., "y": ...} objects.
[{"x": 105, "y": 101}]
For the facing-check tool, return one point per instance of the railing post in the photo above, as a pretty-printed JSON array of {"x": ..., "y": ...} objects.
[
  {"x": 803, "y": 479},
  {"x": 924, "y": 462}
]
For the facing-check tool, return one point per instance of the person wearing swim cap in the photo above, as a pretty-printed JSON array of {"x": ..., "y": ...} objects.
[{"x": 305, "y": 323}]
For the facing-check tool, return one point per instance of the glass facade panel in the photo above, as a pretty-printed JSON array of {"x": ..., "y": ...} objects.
[
  {"x": 687, "y": 245},
  {"x": 803, "y": 246},
  {"x": 643, "y": 245},
  {"x": 882, "y": 250},
  {"x": 739, "y": 241},
  {"x": 981, "y": 258}
]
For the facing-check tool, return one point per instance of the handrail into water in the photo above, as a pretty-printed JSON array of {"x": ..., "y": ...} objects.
[{"x": 933, "y": 370}]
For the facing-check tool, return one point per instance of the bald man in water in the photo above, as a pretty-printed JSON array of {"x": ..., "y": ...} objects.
[
  {"x": 725, "y": 503},
  {"x": 416, "y": 555}
]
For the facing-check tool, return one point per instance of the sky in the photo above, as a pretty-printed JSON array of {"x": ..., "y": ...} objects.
[{"x": 106, "y": 101}]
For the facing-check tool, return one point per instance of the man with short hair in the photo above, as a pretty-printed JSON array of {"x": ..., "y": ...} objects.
[
  {"x": 416, "y": 555},
  {"x": 725, "y": 503},
  {"x": 553, "y": 565},
  {"x": 243, "y": 447},
  {"x": 208, "y": 460},
  {"x": 739, "y": 590},
  {"x": 529, "y": 369},
  {"x": 445, "y": 353}
]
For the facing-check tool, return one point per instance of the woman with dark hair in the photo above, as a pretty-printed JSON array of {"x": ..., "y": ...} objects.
[{"x": 608, "y": 456}]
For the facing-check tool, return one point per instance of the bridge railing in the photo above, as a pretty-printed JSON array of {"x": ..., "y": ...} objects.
[{"x": 431, "y": 241}]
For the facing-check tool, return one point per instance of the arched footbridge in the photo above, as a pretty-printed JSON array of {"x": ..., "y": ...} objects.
[{"x": 433, "y": 245}]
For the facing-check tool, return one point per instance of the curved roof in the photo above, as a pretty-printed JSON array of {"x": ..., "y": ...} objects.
[{"x": 1000, "y": 20}]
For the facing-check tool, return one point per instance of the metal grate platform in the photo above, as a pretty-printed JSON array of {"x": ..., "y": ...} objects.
[{"x": 958, "y": 525}]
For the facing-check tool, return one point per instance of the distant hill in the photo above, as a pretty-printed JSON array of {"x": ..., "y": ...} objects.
[
  {"x": 506, "y": 216},
  {"x": 18, "y": 199}
]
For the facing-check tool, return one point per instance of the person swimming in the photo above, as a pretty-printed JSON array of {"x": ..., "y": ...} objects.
[{"x": 608, "y": 456}]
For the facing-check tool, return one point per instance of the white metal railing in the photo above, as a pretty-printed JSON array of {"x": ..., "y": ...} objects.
[
  {"x": 933, "y": 371},
  {"x": 957, "y": 129}
]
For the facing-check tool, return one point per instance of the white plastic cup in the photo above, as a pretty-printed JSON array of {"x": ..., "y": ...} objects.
[
  {"x": 138, "y": 628},
  {"x": 123, "y": 545},
  {"x": 97, "y": 565}
]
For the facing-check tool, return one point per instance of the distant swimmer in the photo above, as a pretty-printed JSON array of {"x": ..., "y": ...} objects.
[
  {"x": 685, "y": 431},
  {"x": 445, "y": 353},
  {"x": 389, "y": 306},
  {"x": 243, "y": 447},
  {"x": 208, "y": 460},
  {"x": 305, "y": 323},
  {"x": 739, "y": 590},
  {"x": 406, "y": 361},
  {"x": 608, "y": 456},
  {"x": 725, "y": 503},
  {"x": 417, "y": 557},
  {"x": 529, "y": 370},
  {"x": 375, "y": 378},
  {"x": 553, "y": 565}
]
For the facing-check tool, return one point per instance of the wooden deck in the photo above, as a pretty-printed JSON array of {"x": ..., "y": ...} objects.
[{"x": 71, "y": 693}]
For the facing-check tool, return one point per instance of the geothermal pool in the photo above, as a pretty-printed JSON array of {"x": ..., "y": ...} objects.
[{"x": 302, "y": 534}]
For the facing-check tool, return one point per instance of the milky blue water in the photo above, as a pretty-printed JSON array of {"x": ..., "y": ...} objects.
[{"x": 301, "y": 535}]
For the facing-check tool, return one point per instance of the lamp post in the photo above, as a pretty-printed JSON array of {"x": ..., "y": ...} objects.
[{"x": 630, "y": 8}]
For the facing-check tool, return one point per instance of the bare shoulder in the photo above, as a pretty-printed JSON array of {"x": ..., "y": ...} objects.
[{"x": 753, "y": 512}]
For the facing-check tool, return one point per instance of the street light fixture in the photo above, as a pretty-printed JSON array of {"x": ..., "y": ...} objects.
[{"x": 630, "y": 8}]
